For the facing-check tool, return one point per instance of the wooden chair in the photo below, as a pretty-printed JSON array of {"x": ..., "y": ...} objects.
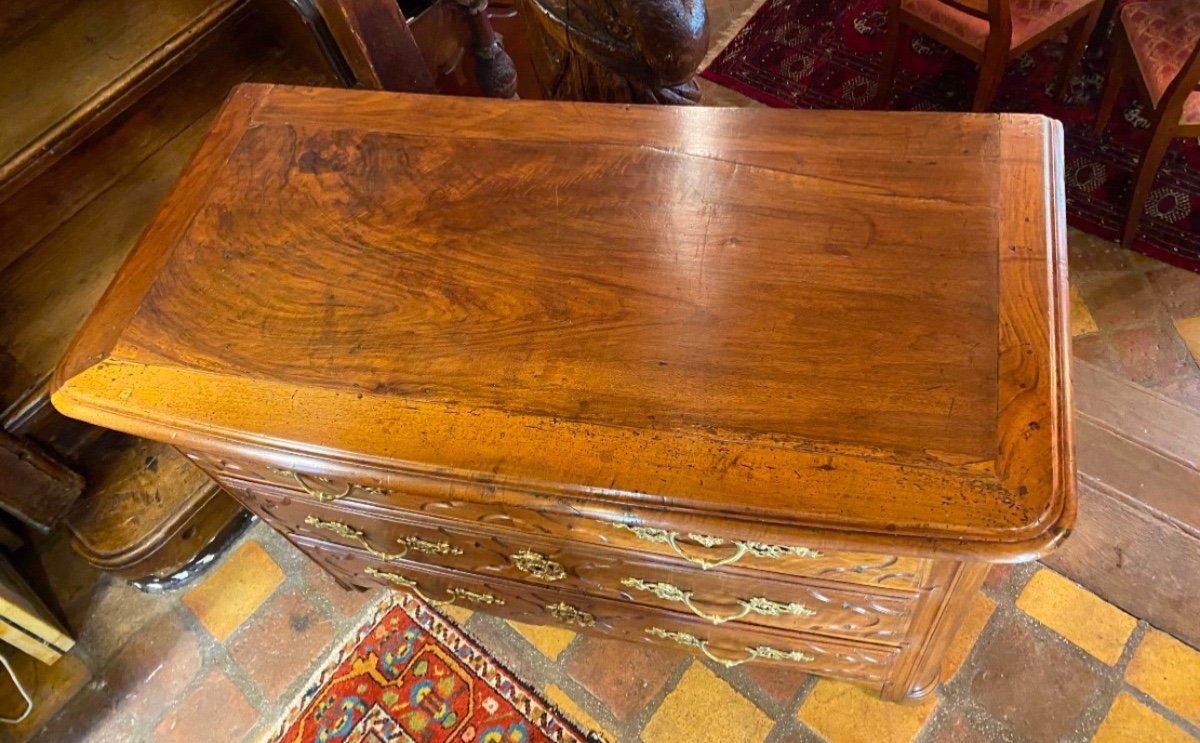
[
  {"x": 1160, "y": 41},
  {"x": 990, "y": 32}
]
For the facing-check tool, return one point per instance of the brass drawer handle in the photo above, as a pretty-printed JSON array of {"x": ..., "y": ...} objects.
[
  {"x": 568, "y": 614},
  {"x": 414, "y": 543},
  {"x": 453, "y": 592},
  {"x": 322, "y": 496},
  {"x": 756, "y": 604},
  {"x": 741, "y": 547},
  {"x": 539, "y": 566},
  {"x": 754, "y": 653}
]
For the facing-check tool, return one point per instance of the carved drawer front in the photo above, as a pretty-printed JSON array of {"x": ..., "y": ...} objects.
[
  {"x": 542, "y": 515},
  {"x": 730, "y": 645},
  {"x": 717, "y": 597}
]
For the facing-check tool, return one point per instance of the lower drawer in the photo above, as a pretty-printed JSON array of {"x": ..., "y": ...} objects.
[
  {"x": 730, "y": 645},
  {"x": 716, "y": 596}
]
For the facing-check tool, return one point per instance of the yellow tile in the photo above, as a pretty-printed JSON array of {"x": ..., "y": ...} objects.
[
  {"x": 1169, "y": 671},
  {"x": 1189, "y": 328},
  {"x": 960, "y": 646},
  {"x": 702, "y": 707},
  {"x": 457, "y": 614},
  {"x": 1130, "y": 720},
  {"x": 550, "y": 640},
  {"x": 1077, "y": 614},
  {"x": 1082, "y": 321},
  {"x": 572, "y": 710},
  {"x": 234, "y": 589},
  {"x": 850, "y": 714}
]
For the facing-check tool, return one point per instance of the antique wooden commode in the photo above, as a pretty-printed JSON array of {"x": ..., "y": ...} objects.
[{"x": 774, "y": 386}]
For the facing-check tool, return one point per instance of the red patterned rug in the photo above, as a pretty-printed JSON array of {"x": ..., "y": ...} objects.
[
  {"x": 827, "y": 53},
  {"x": 410, "y": 675}
]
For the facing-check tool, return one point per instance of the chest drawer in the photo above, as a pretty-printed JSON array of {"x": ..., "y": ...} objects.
[
  {"x": 730, "y": 645},
  {"x": 536, "y": 515},
  {"x": 717, "y": 597}
]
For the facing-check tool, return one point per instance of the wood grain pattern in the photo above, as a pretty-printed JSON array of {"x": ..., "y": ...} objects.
[
  {"x": 576, "y": 358},
  {"x": 762, "y": 358}
]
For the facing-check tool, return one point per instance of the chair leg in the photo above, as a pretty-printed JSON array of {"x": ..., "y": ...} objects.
[
  {"x": 1112, "y": 86},
  {"x": 1080, "y": 34},
  {"x": 991, "y": 72},
  {"x": 891, "y": 58},
  {"x": 1160, "y": 141}
]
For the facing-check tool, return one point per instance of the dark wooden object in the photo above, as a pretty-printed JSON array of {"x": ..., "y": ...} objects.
[
  {"x": 1166, "y": 119},
  {"x": 376, "y": 40},
  {"x": 998, "y": 49},
  {"x": 640, "y": 51},
  {"x": 659, "y": 373},
  {"x": 1137, "y": 541},
  {"x": 35, "y": 486}
]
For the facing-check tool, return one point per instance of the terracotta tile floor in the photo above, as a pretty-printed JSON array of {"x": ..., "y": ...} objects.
[{"x": 1041, "y": 658}]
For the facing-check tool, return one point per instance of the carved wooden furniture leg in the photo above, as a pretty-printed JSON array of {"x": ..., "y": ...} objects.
[
  {"x": 640, "y": 51},
  {"x": 494, "y": 70}
]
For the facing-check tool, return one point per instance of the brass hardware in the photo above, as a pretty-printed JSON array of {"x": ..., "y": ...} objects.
[
  {"x": 348, "y": 532},
  {"x": 322, "y": 496},
  {"x": 453, "y": 592},
  {"x": 429, "y": 548},
  {"x": 539, "y": 566},
  {"x": 414, "y": 543},
  {"x": 760, "y": 651},
  {"x": 568, "y": 614},
  {"x": 741, "y": 547},
  {"x": 756, "y": 604},
  {"x": 479, "y": 598},
  {"x": 398, "y": 580}
]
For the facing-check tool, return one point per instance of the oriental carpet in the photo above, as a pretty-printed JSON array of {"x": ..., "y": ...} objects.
[{"x": 410, "y": 675}]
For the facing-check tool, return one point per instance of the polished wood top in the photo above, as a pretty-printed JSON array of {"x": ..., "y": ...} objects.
[{"x": 850, "y": 321}]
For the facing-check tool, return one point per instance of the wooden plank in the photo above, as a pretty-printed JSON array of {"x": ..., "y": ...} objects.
[
  {"x": 1132, "y": 558},
  {"x": 77, "y": 65},
  {"x": 1158, "y": 422},
  {"x": 54, "y": 196},
  {"x": 25, "y": 622}
]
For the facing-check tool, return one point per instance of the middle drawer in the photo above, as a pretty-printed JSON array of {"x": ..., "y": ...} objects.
[{"x": 716, "y": 596}]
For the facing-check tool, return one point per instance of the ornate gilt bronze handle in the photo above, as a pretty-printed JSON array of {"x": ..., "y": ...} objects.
[
  {"x": 760, "y": 651},
  {"x": 453, "y": 592},
  {"x": 408, "y": 543},
  {"x": 741, "y": 547},
  {"x": 539, "y": 566},
  {"x": 322, "y": 496},
  {"x": 756, "y": 604},
  {"x": 568, "y": 614}
]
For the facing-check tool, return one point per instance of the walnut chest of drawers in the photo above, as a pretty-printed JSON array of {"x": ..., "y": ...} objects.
[{"x": 770, "y": 386}]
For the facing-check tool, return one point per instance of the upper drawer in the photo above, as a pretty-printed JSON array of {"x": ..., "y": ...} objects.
[
  {"x": 717, "y": 597},
  {"x": 534, "y": 514}
]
